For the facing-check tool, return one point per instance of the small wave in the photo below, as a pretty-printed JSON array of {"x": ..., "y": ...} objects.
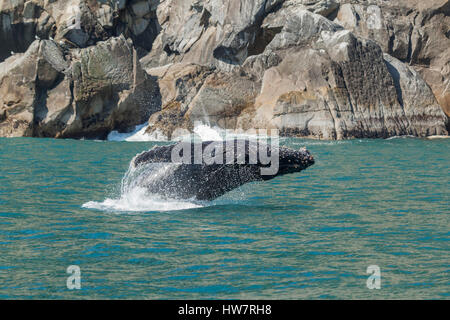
[
  {"x": 401, "y": 137},
  {"x": 321, "y": 143},
  {"x": 414, "y": 137},
  {"x": 138, "y": 200}
]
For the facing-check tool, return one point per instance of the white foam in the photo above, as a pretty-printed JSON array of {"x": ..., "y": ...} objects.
[
  {"x": 201, "y": 132},
  {"x": 135, "y": 198},
  {"x": 414, "y": 137},
  {"x": 401, "y": 137},
  {"x": 137, "y": 135},
  {"x": 138, "y": 200},
  {"x": 207, "y": 133},
  {"x": 324, "y": 142}
]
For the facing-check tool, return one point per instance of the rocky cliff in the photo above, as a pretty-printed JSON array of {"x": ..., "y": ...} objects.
[{"x": 313, "y": 68}]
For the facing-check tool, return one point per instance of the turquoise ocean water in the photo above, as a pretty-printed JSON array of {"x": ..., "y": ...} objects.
[{"x": 303, "y": 236}]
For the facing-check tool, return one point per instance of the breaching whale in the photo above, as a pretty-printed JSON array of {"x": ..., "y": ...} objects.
[{"x": 208, "y": 170}]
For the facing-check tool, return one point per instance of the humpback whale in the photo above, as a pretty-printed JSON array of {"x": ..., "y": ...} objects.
[{"x": 208, "y": 170}]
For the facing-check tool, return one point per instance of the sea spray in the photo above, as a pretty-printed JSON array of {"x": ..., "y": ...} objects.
[
  {"x": 201, "y": 132},
  {"x": 136, "y": 198},
  {"x": 139, "y": 134}
]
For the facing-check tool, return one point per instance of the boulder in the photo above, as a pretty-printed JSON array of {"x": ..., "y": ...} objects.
[
  {"x": 214, "y": 32},
  {"x": 75, "y": 23},
  {"x": 18, "y": 92},
  {"x": 20, "y": 22},
  {"x": 89, "y": 93},
  {"x": 415, "y": 32},
  {"x": 179, "y": 84}
]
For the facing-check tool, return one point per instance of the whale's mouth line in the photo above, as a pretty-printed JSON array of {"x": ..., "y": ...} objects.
[{"x": 292, "y": 167}]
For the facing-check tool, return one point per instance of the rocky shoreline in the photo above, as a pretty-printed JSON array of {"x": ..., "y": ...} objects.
[{"x": 324, "y": 69}]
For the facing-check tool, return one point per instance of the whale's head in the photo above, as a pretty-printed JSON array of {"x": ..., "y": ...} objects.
[
  {"x": 292, "y": 161},
  {"x": 284, "y": 161}
]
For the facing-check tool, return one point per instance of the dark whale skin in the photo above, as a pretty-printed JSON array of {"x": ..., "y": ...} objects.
[{"x": 208, "y": 182}]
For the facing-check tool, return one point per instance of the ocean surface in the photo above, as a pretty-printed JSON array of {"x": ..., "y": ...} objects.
[{"x": 310, "y": 235}]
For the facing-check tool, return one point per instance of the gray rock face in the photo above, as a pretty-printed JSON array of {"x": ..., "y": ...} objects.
[
  {"x": 314, "y": 79},
  {"x": 20, "y": 22},
  {"x": 331, "y": 69},
  {"x": 87, "y": 93},
  {"x": 77, "y": 23},
  {"x": 415, "y": 32},
  {"x": 217, "y": 32}
]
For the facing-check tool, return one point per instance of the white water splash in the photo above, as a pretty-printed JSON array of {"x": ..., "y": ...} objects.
[
  {"x": 201, "y": 132},
  {"x": 137, "y": 135},
  {"x": 135, "y": 198},
  {"x": 207, "y": 133},
  {"x": 138, "y": 200}
]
